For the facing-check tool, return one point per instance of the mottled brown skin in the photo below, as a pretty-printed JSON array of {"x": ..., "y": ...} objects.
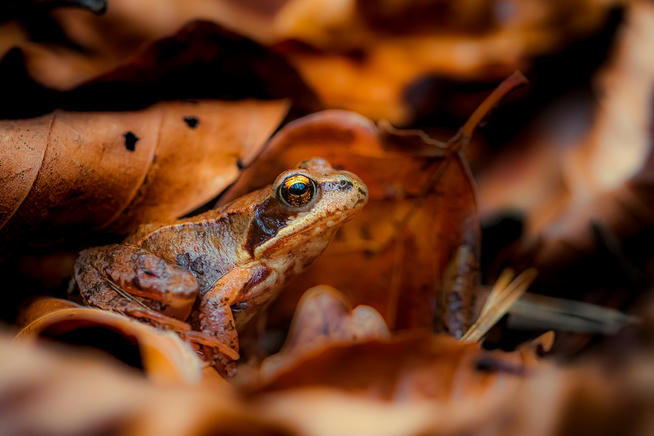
[{"x": 219, "y": 269}]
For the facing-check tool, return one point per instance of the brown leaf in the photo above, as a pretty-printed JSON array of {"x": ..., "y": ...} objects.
[
  {"x": 393, "y": 255},
  {"x": 609, "y": 174},
  {"x": 323, "y": 312},
  {"x": 552, "y": 402},
  {"x": 69, "y": 46},
  {"x": 548, "y": 400},
  {"x": 323, "y": 317},
  {"x": 402, "y": 369},
  {"x": 200, "y": 60},
  {"x": 48, "y": 392},
  {"x": 162, "y": 356},
  {"x": 88, "y": 171}
]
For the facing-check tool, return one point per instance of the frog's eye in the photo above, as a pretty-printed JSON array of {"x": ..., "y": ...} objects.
[{"x": 296, "y": 190}]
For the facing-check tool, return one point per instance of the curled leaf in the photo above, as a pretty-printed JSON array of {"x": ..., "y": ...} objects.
[
  {"x": 163, "y": 356},
  {"x": 323, "y": 317},
  {"x": 80, "y": 394}
]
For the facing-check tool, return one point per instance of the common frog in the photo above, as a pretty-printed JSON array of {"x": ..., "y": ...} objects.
[{"x": 219, "y": 269}]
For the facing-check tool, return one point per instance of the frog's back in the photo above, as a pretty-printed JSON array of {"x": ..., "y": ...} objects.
[{"x": 207, "y": 244}]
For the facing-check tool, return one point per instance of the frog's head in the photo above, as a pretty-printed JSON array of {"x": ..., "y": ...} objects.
[{"x": 302, "y": 211}]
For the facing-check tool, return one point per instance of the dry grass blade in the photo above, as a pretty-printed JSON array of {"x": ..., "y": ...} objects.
[
  {"x": 504, "y": 294},
  {"x": 503, "y": 282},
  {"x": 535, "y": 311},
  {"x": 120, "y": 291}
]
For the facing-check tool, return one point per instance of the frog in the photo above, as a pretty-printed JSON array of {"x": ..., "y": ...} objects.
[{"x": 207, "y": 276}]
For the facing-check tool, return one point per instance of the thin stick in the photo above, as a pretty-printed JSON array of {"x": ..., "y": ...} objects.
[{"x": 503, "y": 282}]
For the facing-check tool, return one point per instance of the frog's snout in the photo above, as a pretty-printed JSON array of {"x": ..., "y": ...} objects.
[
  {"x": 361, "y": 192},
  {"x": 354, "y": 188},
  {"x": 341, "y": 189}
]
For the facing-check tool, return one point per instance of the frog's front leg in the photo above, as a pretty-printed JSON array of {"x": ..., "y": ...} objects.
[
  {"x": 131, "y": 280},
  {"x": 232, "y": 293}
]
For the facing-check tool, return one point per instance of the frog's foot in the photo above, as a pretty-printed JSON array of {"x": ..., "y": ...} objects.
[
  {"x": 114, "y": 276},
  {"x": 215, "y": 313},
  {"x": 156, "y": 318},
  {"x": 209, "y": 342},
  {"x": 183, "y": 329},
  {"x": 222, "y": 363}
]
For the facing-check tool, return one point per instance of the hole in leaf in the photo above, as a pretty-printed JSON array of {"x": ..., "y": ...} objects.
[
  {"x": 130, "y": 140},
  {"x": 191, "y": 121}
]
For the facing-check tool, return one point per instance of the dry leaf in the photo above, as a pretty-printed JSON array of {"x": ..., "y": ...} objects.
[
  {"x": 568, "y": 185},
  {"x": 72, "y": 171},
  {"x": 323, "y": 317},
  {"x": 609, "y": 175},
  {"x": 202, "y": 60},
  {"x": 554, "y": 402},
  {"x": 161, "y": 355},
  {"x": 413, "y": 366},
  {"x": 393, "y": 254},
  {"x": 55, "y": 393},
  {"x": 79, "y": 45}
]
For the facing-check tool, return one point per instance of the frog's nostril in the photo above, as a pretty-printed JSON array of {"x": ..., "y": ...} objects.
[
  {"x": 363, "y": 191},
  {"x": 345, "y": 185}
]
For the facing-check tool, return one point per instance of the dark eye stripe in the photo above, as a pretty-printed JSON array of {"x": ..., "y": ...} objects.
[{"x": 269, "y": 218}]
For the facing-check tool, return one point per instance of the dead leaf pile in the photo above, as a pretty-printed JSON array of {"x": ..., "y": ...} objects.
[
  {"x": 122, "y": 113},
  {"x": 603, "y": 176}
]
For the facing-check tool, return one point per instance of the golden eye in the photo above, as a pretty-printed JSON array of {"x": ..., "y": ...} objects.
[{"x": 296, "y": 190}]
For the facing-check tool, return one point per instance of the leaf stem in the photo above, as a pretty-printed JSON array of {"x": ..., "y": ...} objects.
[{"x": 463, "y": 136}]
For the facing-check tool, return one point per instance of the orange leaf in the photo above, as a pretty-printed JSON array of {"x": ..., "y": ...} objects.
[
  {"x": 410, "y": 367},
  {"x": 323, "y": 317},
  {"x": 393, "y": 255}
]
